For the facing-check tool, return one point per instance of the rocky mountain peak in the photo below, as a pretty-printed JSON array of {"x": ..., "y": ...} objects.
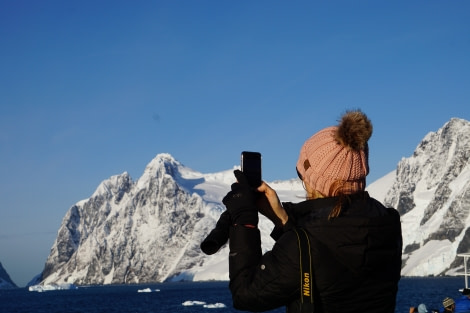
[{"x": 432, "y": 193}]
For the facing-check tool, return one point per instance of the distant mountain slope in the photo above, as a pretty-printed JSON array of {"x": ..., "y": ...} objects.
[
  {"x": 379, "y": 188},
  {"x": 5, "y": 280}
]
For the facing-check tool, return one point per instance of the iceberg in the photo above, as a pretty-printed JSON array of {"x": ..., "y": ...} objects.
[
  {"x": 148, "y": 290},
  {"x": 41, "y": 288},
  {"x": 191, "y": 303},
  {"x": 217, "y": 305}
]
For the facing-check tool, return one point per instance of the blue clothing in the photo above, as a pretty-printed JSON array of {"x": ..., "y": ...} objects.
[{"x": 462, "y": 305}]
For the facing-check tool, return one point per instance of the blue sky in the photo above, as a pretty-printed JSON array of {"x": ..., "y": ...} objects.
[{"x": 91, "y": 89}]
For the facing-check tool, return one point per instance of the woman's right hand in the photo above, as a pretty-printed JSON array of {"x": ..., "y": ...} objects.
[{"x": 270, "y": 206}]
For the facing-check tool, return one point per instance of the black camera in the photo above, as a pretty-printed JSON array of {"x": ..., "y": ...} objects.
[{"x": 251, "y": 168}]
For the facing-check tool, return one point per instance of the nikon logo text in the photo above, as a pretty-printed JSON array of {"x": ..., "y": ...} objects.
[{"x": 306, "y": 285}]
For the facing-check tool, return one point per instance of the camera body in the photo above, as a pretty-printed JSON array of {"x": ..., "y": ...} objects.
[{"x": 251, "y": 167}]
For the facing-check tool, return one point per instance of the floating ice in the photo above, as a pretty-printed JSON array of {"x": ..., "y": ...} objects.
[
  {"x": 148, "y": 290},
  {"x": 191, "y": 303},
  {"x": 217, "y": 305},
  {"x": 203, "y": 304},
  {"x": 41, "y": 288}
]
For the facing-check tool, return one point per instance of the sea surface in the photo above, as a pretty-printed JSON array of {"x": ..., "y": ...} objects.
[{"x": 189, "y": 297}]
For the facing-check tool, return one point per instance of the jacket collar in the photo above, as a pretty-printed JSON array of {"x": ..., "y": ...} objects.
[{"x": 317, "y": 208}]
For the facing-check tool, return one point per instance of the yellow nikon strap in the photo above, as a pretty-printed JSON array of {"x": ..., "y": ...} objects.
[{"x": 306, "y": 274}]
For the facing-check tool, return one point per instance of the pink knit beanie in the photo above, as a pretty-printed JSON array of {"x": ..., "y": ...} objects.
[{"x": 337, "y": 155}]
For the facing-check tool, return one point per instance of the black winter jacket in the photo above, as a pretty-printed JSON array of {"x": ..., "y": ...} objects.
[{"x": 356, "y": 259}]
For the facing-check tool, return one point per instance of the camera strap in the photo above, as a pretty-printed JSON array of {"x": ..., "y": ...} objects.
[{"x": 306, "y": 273}]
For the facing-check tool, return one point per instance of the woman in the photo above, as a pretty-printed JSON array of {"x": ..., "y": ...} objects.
[{"x": 355, "y": 242}]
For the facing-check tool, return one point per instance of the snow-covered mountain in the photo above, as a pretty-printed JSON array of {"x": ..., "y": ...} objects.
[
  {"x": 5, "y": 280},
  {"x": 431, "y": 191},
  {"x": 150, "y": 230}
]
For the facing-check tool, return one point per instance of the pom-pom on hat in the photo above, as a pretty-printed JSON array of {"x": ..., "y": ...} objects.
[{"x": 337, "y": 156}]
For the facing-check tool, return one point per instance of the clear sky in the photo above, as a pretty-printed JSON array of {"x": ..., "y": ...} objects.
[{"x": 90, "y": 89}]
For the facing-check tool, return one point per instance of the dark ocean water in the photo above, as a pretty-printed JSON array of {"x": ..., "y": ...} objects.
[{"x": 207, "y": 297}]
